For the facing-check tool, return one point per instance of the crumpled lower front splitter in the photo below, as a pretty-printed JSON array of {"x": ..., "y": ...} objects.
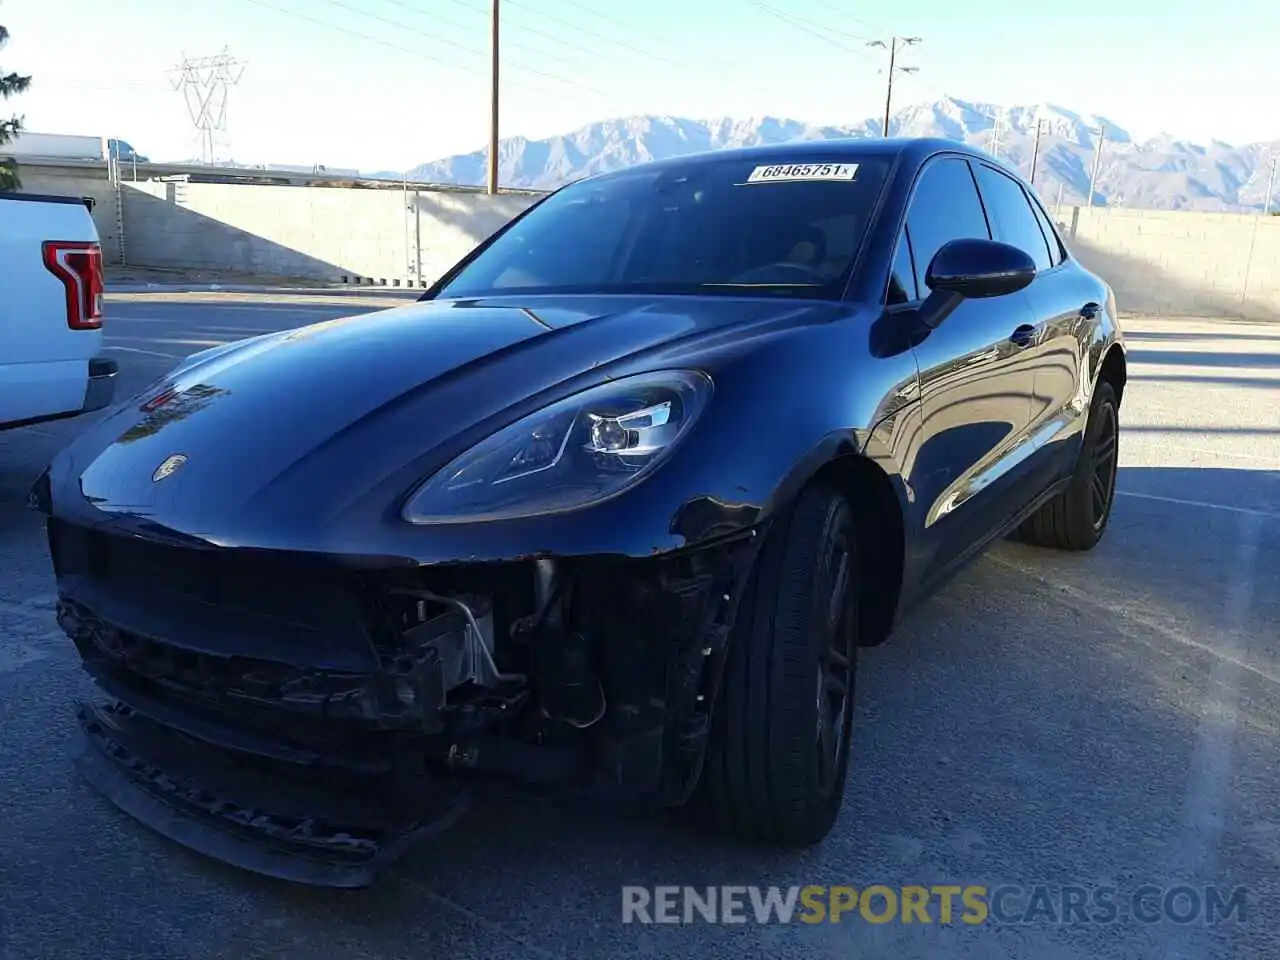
[{"x": 296, "y": 825}]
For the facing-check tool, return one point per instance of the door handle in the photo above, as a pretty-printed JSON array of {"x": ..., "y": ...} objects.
[
  {"x": 1090, "y": 310},
  {"x": 1023, "y": 335}
]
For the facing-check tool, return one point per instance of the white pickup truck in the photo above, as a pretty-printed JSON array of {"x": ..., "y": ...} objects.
[{"x": 51, "y": 287}]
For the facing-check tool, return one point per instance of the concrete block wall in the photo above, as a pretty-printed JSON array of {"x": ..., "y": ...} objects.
[
  {"x": 1209, "y": 264},
  {"x": 1173, "y": 262},
  {"x": 316, "y": 232},
  {"x": 69, "y": 182}
]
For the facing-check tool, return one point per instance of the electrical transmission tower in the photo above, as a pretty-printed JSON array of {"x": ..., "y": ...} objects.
[
  {"x": 204, "y": 82},
  {"x": 995, "y": 133}
]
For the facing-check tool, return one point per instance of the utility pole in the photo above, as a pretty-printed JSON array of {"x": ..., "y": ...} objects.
[
  {"x": 1097, "y": 162},
  {"x": 1271, "y": 185},
  {"x": 892, "y": 47},
  {"x": 493, "y": 106},
  {"x": 995, "y": 133},
  {"x": 1035, "y": 150},
  {"x": 204, "y": 82}
]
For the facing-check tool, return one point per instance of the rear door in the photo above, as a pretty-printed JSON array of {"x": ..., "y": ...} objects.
[
  {"x": 975, "y": 383},
  {"x": 1064, "y": 299}
]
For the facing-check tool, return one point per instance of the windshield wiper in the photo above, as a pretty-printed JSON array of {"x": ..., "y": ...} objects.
[{"x": 756, "y": 286}]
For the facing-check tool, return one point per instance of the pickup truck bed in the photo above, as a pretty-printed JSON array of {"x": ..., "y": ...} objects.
[{"x": 50, "y": 311}]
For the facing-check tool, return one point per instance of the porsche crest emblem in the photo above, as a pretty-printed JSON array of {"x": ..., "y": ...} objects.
[{"x": 170, "y": 466}]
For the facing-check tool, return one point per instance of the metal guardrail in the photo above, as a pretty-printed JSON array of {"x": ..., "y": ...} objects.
[{"x": 270, "y": 176}]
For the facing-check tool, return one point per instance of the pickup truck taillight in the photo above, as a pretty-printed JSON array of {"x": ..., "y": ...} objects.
[{"x": 79, "y": 266}]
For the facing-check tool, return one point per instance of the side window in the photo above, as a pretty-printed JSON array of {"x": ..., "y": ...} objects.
[
  {"x": 902, "y": 280},
  {"x": 945, "y": 208},
  {"x": 1011, "y": 216},
  {"x": 1056, "y": 253}
]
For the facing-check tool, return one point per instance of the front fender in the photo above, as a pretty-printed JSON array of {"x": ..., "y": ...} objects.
[{"x": 784, "y": 406}]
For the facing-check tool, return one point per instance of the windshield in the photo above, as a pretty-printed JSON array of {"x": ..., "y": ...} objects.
[{"x": 732, "y": 226}]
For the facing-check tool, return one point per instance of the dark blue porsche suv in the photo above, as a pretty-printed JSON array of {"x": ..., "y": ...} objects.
[{"x": 616, "y": 504}]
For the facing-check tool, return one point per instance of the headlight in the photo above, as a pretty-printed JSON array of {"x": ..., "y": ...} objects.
[{"x": 574, "y": 452}]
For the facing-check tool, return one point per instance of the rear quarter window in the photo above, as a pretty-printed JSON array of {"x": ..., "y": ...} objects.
[
  {"x": 1011, "y": 215},
  {"x": 1057, "y": 252}
]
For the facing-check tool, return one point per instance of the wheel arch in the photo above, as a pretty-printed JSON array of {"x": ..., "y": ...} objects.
[
  {"x": 1115, "y": 370},
  {"x": 881, "y": 544}
]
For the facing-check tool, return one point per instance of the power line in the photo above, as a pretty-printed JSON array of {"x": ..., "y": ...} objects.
[
  {"x": 347, "y": 31},
  {"x": 646, "y": 56},
  {"x": 808, "y": 28},
  {"x": 873, "y": 27},
  {"x": 431, "y": 36},
  {"x": 822, "y": 25},
  {"x": 628, "y": 28},
  {"x": 468, "y": 68},
  {"x": 649, "y": 55},
  {"x": 524, "y": 28},
  {"x": 72, "y": 82},
  {"x": 631, "y": 27},
  {"x": 412, "y": 8},
  {"x": 634, "y": 52}
]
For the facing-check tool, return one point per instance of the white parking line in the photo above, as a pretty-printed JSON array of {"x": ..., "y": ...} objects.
[
  {"x": 1212, "y": 765},
  {"x": 1265, "y": 514},
  {"x": 1214, "y": 453},
  {"x": 1124, "y": 613},
  {"x": 149, "y": 353}
]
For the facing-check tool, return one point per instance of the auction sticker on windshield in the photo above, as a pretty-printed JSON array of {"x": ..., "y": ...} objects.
[{"x": 803, "y": 171}]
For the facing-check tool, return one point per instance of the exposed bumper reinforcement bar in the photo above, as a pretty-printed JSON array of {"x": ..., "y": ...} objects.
[{"x": 253, "y": 816}]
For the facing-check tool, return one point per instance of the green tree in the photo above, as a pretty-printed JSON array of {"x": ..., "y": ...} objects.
[{"x": 10, "y": 86}]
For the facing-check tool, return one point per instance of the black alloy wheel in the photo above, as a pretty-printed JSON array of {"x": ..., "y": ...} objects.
[
  {"x": 779, "y": 751},
  {"x": 1077, "y": 518}
]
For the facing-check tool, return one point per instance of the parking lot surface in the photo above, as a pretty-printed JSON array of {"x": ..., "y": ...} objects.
[{"x": 1101, "y": 720}]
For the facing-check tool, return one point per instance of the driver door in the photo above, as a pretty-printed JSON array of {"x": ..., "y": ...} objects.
[{"x": 976, "y": 382}]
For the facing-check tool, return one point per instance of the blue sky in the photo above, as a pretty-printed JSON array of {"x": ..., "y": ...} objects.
[{"x": 391, "y": 83}]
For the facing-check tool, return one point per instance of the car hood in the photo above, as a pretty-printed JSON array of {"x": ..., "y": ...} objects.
[{"x": 292, "y": 427}]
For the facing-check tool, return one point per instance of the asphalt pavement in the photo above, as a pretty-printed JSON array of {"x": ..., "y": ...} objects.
[{"x": 1076, "y": 722}]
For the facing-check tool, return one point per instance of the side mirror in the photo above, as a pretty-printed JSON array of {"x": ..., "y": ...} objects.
[{"x": 973, "y": 269}]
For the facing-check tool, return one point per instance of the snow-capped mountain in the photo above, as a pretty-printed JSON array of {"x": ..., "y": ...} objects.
[{"x": 1161, "y": 173}]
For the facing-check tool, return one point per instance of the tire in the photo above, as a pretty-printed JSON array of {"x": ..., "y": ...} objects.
[
  {"x": 1077, "y": 518},
  {"x": 770, "y": 774}
]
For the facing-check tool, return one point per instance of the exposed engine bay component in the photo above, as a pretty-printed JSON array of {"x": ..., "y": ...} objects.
[
  {"x": 544, "y": 582},
  {"x": 563, "y": 662},
  {"x": 566, "y": 676},
  {"x": 310, "y": 721},
  {"x": 529, "y": 763},
  {"x": 467, "y": 657}
]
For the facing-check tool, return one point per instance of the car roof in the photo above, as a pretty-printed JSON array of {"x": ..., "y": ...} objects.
[{"x": 914, "y": 150}]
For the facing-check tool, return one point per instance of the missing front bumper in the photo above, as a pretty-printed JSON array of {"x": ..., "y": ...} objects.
[
  {"x": 239, "y": 727},
  {"x": 270, "y": 818}
]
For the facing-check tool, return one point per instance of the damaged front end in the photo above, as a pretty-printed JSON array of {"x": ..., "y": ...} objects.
[{"x": 310, "y": 720}]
